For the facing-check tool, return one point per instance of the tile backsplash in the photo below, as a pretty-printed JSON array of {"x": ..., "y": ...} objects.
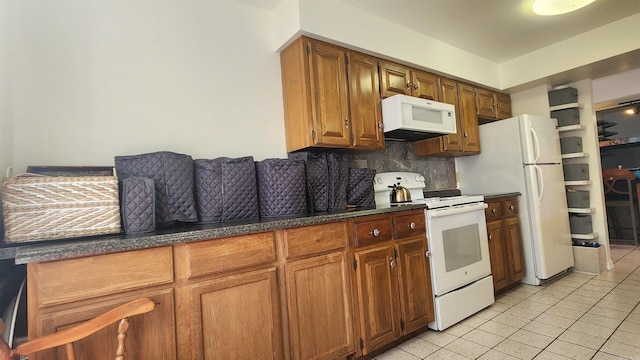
[{"x": 439, "y": 172}]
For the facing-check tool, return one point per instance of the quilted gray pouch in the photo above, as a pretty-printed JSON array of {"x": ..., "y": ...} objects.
[
  {"x": 338, "y": 165},
  {"x": 281, "y": 187},
  {"x": 239, "y": 189},
  {"x": 137, "y": 205},
  {"x": 172, "y": 176},
  {"x": 208, "y": 184},
  {"x": 317, "y": 174},
  {"x": 360, "y": 187}
]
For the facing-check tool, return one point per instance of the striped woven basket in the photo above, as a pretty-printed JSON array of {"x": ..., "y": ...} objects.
[{"x": 57, "y": 207}]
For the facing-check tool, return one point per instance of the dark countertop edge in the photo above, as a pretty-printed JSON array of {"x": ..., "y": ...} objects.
[
  {"x": 41, "y": 252},
  {"x": 501, "y": 195}
]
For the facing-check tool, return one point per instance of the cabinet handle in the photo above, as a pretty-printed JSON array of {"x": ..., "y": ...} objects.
[
  {"x": 392, "y": 263},
  {"x": 494, "y": 210},
  {"x": 346, "y": 122},
  {"x": 375, "y": 232},
  {"x": 412, "y": 226}
]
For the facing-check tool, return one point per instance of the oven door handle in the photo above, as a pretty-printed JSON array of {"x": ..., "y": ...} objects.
[{"x": 457, "y": 209}]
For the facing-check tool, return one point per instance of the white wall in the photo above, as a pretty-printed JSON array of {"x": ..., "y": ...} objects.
[
  {"x": 95, "y": 79},
  {"x": 6, "y": 129}
]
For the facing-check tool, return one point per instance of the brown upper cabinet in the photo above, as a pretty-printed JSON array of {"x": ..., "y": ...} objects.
[
  {"x": 492, "y": 106},
  {"x": 398, "y": 79},
  {"x": 466, "y": 141},
  {"x": 331, "y": 97}
]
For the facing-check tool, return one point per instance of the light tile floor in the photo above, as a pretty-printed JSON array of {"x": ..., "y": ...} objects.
[{"x": 579, "y": 316}]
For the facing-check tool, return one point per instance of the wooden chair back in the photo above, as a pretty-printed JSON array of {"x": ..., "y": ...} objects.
[
  {"x": 617, "y": 181},
  {"x": 66, "y": 337}
]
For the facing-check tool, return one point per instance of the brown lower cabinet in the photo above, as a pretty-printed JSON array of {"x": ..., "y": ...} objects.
[
  {"x": 392, "y": 281},
  {"x": 505, "y": 242},
  {"x": 283, "y": 294}
]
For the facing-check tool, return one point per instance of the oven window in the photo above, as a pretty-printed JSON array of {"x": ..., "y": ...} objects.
[{"x": 461, "y": 247}]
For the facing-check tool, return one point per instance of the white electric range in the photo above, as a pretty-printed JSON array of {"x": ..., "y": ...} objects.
[{"x": 458, "y": 247}]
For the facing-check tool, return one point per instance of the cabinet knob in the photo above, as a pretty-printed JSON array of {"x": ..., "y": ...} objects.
[
  {"x": 490, "y": 236},
  {"x": 409, "y": 85},
  {"x": 412, "y": 226},
  {"x": 494, "y": 210},
  {"x": 511, "y": 207},
  {"x": 427, "y": 253},
  {"x": 416, "y": 86},
  {"x": 380, "y": 125},
  {"x": 346, "y": 122},
  {"x": 375, "y": 232},
  {"x": 392, "y": 263},
  {"x": 466, "y": 135}
]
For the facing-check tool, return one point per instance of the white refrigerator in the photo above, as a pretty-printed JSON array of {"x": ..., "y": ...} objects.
[{"x": 522, "y": 154}]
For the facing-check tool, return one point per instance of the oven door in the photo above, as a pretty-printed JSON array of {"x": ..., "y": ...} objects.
[{"x": 459, "y": 246}]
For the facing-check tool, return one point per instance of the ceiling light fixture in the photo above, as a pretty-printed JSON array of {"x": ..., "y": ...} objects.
[{"x": 557, "y": 7}]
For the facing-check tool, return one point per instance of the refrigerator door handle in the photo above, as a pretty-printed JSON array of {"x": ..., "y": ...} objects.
[
  {"x": 536, "y": 144},
  {"x": 540, "y": 183}
]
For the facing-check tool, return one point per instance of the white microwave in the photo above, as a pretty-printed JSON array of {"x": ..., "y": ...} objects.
[{"x": 411, "y": 118}]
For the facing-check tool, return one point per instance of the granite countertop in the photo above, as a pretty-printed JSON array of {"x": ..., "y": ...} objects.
[
  {"x": 71, "y": 248},
  {"x": 500, "y": 195}
]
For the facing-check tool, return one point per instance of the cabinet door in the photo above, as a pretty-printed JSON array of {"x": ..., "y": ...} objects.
[
  {"x": 416, "y": 295},
  {"x": 320, "y": 307},
  {"x": 449, "y": 94},
  {"x": 394, "y": 79},
  {"x": 377, "y": 291},
  {"x": 514, "y": 253},
  {"x": 235, "y": 317},
  {"x": 469, "y": 121},
  {"x": 497, "y": 255},
  {"x": 485, "y": 103},
  {"x": 424, "y": 85},
  {"x": 503, "y": 106},
  {"x": 330, "y": 96},
  {"x": 151, "y": 336},
  {"x": 366, "y": 111}
]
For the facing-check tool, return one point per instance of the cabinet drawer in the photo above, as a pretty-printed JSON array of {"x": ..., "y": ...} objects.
[
  {"x": 315, "y": 239},
  {"x": 88, "y": 277},
  {"x": 410, "y": 225},
  {"x": 371, "y": 232},
  {"x": 510, "y": 207},
  {"x": 220, "y": 255},
  {"x": 493, "y": 211}
]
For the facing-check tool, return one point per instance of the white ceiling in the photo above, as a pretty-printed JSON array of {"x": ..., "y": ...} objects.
[{"x": 498, "y": 30}]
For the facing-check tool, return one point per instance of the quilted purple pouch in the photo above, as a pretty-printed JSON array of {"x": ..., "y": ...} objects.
[
  {"x": 208, "y": 184},
  {"x": 281, "y": 187},
  {"x": 137, "y": 205},
  {"x": 172, "y": 176},
  {"x": 317, "y": 174},
  {"x": 360, "y": 187},
  {"x": 338, "y": 165}
]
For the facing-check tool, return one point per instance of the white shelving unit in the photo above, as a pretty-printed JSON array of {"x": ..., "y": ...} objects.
[{"x": 576, "y": 158}]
